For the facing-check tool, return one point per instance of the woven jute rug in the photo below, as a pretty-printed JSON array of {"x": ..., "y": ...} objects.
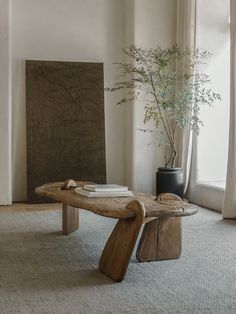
[{"x": 42, "y": 271}]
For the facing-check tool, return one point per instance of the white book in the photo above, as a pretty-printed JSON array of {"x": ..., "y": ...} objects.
[
  {"x": 86, "y": 193},
  {"x": 105, "y": 188}
]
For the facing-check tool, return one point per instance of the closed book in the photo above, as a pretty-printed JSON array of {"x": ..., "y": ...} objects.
[
  {"x": 103, "y": 194},
  {"x": 105, "y": 188}
]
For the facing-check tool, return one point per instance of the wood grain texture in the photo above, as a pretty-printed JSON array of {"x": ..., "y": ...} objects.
[
  {"x": 161, "y": 239},
  {"x": 65, "y": 123},
  {"x": 70, "y": 219},
  {"x": 114, "y": 207},
  {"x": 119, "y": 247}
]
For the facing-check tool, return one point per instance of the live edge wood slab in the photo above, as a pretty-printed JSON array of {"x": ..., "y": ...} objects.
[{"x": 161, "y": 236}]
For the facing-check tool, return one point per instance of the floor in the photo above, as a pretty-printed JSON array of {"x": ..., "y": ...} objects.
[
  {"x": 45, "y": 272},
  {"x": 24, "y": 207}
]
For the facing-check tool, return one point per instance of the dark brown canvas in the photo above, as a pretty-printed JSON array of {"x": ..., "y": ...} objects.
[{"x": 65, "y": 123}]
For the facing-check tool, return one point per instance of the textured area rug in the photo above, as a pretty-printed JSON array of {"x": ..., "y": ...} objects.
[{"x": 42, "y": 271}]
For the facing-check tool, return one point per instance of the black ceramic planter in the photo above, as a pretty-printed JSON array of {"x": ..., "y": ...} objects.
[{"x": 170, "y": 180}]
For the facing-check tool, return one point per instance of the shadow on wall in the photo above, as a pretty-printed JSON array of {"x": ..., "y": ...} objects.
[{"x": 116, "y": 15}]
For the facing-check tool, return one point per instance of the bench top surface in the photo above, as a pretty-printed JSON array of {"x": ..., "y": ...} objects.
[{"x": 114, "y": 207}]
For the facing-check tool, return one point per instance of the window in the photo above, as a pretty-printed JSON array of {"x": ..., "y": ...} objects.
[{"x": 210, "y": 148}]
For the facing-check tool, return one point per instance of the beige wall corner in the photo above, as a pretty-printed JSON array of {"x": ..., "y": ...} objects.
[
  {"x": 154, "y": 24},
  {"x": 5, "y": 104},
  {"x": 77, "y": 30}
]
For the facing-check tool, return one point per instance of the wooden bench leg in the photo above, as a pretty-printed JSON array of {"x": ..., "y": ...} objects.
[
  {"x": 119, "y": 247},
  {"x": 70, "y": 219},
  {"x": 161, "y": 239}
]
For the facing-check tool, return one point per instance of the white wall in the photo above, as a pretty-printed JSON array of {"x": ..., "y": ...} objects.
[
  {"x": 75, "y": 30},
  {"x": 154, "y": 24},
  {"x": 5, "y": 104},
  {"x": 91, "y": 30}
]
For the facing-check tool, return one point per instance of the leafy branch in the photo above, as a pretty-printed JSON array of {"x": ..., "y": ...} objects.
[{"x": 173, "y": 99}]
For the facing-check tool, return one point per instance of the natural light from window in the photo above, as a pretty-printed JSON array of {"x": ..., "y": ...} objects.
[{"x": 212, "y": 143}]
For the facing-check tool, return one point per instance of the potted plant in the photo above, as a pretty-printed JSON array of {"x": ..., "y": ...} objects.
[{"x": 172, "y": 98}]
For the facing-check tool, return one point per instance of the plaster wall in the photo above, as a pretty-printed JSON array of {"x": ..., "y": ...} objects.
[
  {"x": 5, "y": 104},
  {"x": 154, "y": 24},
  {"x": 72, "y": 30},
  {"x": 91, "y": 30}
]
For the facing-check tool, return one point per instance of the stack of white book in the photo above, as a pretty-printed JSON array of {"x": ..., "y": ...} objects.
[{"x": 103, "y": 190}]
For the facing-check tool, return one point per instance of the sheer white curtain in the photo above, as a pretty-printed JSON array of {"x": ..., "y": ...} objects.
[
  {"x": 229, "y": 204},
  {"x": 186, "y": 38}
]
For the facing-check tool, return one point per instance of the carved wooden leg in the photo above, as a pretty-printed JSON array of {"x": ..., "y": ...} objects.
[
  {"x": 119, "y": 247},
  {"x": 70, "y": 219},
  {"x": 161, "y": 239}
]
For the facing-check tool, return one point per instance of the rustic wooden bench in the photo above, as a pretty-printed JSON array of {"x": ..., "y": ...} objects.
[{"x": 162, "y": 233}]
